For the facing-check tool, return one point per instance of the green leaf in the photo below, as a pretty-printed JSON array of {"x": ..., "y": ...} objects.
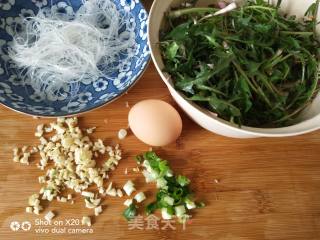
[
  {"x": 222, "y": 106},
  {"x": 262, "y": 28},
  {"x": 172, "y": 50},
  {"x": 179, "y": 32},
  {"x": 186, "y": 83}
]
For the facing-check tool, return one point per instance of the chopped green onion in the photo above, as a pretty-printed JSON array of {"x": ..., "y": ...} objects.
[
  {"x": 183, "y": 181},
  {"x": 174, "y": 196},
  {"x": 150, "y": 208},
  {"x": 130, "y": 212},
  {"x": 165, "y": 214}
]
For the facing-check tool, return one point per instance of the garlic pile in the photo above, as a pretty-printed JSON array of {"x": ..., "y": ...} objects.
[{"x": 73, "y": 165}]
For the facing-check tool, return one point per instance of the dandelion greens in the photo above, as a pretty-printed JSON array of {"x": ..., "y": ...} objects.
[{"x": 253, "y": 66}]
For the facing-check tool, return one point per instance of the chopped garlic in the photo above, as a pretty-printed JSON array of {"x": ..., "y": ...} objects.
[
  {"x": 126, "y": 171},
  {"x": 61, "y": 120},
  {"x": 112, "y": 192},
  {"x": 90, "y": 130},
  {"x": 102, "y": 191},
  {"x": 49, "y": 216},
  {"x": 73, "y": 165},
  {"x": 34, "y": 200},
  {"x": 39, "y": 131},
  {"x": 86, "y": 221},
  {"x": 15, "y": 151},
  {"x": 119, "y": 193},
  {"x": 128, "y": 202},
  {"x": 36, "y": 211},
  {"x": 129, "y": 187},
  {"x": 24, "y": 149},
  {"x": 92, "y": 203},
  {"x": 48, "y": 129},
  {"x": 42, "y": 179},
  {"x": 29, "y": 209},
  {"x": 34, "y": 150},
  {"x": 16, "y": 157},
  {"x": 109, "y": 187},
  {"x": 139, "y": 197},
  {"x": 25, "y": 158},
  {"x": 87, "y": 194},
  {"x": 122, "y": 134},
  {"x": 62, "y": 199},
  {"x": 43, "y": 141},
  {"x": 97, "y": 210}
]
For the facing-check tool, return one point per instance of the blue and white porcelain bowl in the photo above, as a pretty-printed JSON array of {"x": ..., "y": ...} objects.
[{"x": 17, "y": 95}]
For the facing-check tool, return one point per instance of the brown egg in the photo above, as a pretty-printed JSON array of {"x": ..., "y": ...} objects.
[{"x": 155, "y": 122}]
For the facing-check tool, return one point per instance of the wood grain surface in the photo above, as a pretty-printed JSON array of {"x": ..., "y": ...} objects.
[{"x": 254, "y": 189}]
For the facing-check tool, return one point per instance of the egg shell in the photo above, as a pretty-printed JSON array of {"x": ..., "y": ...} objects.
[{"x": 155, "y": 122}]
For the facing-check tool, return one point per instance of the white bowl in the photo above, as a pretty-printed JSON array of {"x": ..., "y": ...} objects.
[{"x": 308, "y": 121}]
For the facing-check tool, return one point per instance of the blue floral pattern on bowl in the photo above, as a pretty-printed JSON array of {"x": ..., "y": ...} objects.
[{"x": 17, "y": 95}]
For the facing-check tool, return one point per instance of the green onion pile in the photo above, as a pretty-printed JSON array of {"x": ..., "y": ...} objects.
[
  {"x": 253, "y": 66},
  {"x": 174, "y": 197}
]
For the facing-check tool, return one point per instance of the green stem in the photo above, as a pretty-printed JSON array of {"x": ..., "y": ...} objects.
[
  {"x": 297, "y": 33},
  {"x": 211, "y": 89},
  {"x": 315, "y": 17},
  {"x": 181, "y": 12},
  {"x": 277, "y": 60},
  {"x": 260, "y": 7},
  {"x": 262, "y": 95},
  {"x": 314, "y": 84},
  {"x": 293, "y": 101},
  {"x": 266, "y": 83},
  {"x": 244, "y": 75},
  {"x": 285, "y": 118}
]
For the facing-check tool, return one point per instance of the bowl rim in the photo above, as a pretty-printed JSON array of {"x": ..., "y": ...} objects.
[{"x": 247, "y": 130}]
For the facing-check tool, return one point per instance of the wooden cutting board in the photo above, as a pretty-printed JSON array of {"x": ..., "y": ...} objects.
[{"x": 254, "y": 189}]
